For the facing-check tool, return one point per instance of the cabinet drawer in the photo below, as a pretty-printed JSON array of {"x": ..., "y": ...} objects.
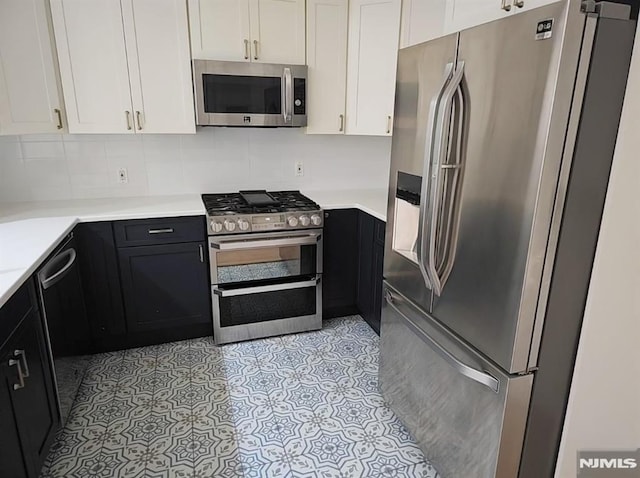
[
  {"x": 159, "y": 231},
  {"x": 11, "y": 313}
]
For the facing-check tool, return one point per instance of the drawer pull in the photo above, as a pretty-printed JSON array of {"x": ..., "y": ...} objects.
[
  {"x": 201, "y": 250},
  {"x": 22, "y": 354},
  {"x": 17, "y": 386},
  {"x": 167, "y": 230}
]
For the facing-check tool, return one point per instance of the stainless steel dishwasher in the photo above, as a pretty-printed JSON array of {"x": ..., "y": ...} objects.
[{"x": 65, "y": 318}]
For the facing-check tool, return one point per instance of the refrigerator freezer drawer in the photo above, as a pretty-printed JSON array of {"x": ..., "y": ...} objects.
[{"x": 467, "y": 415}]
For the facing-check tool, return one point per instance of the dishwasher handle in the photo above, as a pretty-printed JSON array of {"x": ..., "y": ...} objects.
[{"x": 48, "y": 278}]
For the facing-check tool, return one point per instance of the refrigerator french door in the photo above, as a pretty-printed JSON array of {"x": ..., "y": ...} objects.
[{"x": 486, "y": 125}]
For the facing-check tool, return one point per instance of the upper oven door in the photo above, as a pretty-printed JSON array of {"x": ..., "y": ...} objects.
[
  {"x": 249, "y": 94},
  {"x": 254, "y": 259}
]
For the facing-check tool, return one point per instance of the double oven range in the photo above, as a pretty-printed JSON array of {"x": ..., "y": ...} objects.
[{"x": 265, "y": 251}]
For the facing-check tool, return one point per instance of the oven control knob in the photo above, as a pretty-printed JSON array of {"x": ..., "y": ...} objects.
[
  {"x": 316, "y": 220},
  {"x": 305, "y": 221},
  {"x": 243, "y": 224},
  {"x": 230, "y": 226},
  {"x": 292, "y": 221},
  {"x": 216, "y": 226}
]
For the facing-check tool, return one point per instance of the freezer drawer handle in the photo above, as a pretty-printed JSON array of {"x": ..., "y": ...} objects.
[
  {"x": 266, "y": 288},
  {"x": 50, "y": 280},
  {"x": 482, "y": 378}
]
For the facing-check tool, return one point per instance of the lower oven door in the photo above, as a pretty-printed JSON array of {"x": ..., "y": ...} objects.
[{"x": 266, "y": 284}]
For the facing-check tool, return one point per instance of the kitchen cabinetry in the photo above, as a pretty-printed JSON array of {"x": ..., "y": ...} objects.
[
  {"x": 422, "y": 21},
  {"x": 370, "y": 268},
  {"x": 30, "y": 96},
  {"x": 165, "y": 281},
  {"x": 371, "y": 66},
  {"x": 327, "y": 63},
  {"x": 352, "y": 50},
  {"x": 28, "y": 412},
  {"x": 340, "y": 263},
  {"x": 125, "y": 66},
  {"x": 262, "y": 31}
]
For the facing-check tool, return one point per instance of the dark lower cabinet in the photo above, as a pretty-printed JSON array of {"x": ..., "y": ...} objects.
[
  {"x": 340, "y": 263},
  {"x": 165, "y": 286},
  {"x": 28, "y": 410},
  {"x": 98, "y": 259},
  {"x": 370, "y": 268}
]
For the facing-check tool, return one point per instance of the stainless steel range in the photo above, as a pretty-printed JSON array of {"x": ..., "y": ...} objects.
[{"x": 265, "y": 252}]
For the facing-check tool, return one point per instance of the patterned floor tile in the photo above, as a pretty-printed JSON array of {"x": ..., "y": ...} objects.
[{"x": 298, "y": 406}]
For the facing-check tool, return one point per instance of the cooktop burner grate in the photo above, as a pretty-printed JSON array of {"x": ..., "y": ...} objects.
[{"x": 234, "y": 203}]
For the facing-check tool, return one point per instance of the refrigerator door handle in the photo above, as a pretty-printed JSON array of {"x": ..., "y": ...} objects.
[
  {"x": 438, "y": 168},
  {"x": 423, "y": 224},
  {"x": 479, "y": 376}
]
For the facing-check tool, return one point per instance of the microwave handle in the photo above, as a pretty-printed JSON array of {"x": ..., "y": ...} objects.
[{"x": 288, "y": 95}]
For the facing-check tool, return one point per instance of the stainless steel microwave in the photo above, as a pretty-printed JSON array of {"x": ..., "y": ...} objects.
[{"x": 232, "y": 93}]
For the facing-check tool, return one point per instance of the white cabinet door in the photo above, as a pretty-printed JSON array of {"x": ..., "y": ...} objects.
[
  {"x": 93, "y": 65},
  {"x": 463, "y": 14},
  {"x": 29, "y": 92},
  {"x": 157, "y": 39},
  {"x": 278, "y": 31},
  {"x": 374, "y": 28},
  {"x": 422, "y": 21},
  {"x": 220, "y": 29},
  {"x": 327, "y": 63},
  {"x": 531, "y": 4}
]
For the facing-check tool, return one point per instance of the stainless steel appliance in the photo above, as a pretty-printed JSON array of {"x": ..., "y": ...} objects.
[
  {"x": 249, "y": 94},
  {"x": 65, "y": 318},
  {"x": 502, "y": 147},
  {"x": 265, "y": 252}
]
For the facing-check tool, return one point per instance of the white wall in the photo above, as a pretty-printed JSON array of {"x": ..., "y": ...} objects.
[
  {"x": 604, "y": 403},
  {"x": 43, "y": 167}
]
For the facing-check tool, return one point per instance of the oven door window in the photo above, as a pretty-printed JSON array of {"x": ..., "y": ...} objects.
[
  {"x": 266, "y": 306},
  {"x": 250, "y": 265},
  {"x": 242, "y": 94}
]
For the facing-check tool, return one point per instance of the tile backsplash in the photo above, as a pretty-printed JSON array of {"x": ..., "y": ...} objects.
[{"x": 43, "y": 167}]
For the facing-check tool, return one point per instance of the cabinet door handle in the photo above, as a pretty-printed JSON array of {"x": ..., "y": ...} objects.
[
  {"x": 21, "y": 354},
  {"x": 519, "y": 3},
  {"x": 255, "y": 49},
  {"x": 506, "y": 5},
  {"x": 59, "y": 115},
  {"x": 246, "y": 49},
  {"x": 127, "y": 114},
  {"x": 139, "y": 120},
  {"x": 17, "y": 386},
  {"x": 341, "y": 123},
  {"x": 201, "y": 250},
  {"x": 388, "y": 124},
  {"x": 168, "y": 230}
]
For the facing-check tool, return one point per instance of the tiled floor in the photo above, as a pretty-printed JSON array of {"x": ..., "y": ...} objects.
[{"x": 304, "y": 405}]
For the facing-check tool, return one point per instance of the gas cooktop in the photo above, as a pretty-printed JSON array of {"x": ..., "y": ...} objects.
[{"x": 260, "y": 211}]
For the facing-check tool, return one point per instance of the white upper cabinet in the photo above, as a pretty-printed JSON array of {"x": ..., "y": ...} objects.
[
  {"x": 463, "y": 14},
  {"x": 29, "y": 89},
  {"x": 263, "y": 31},
  {"x": 157, "y": 33},
  {"x": 421, "y": 21},
  {"x": 327, "y": 62},
  {"x": 220, "y": 29},
  {"x": 118, "y": 81},
  {"x": 374, "y": 30},
  {"x": 278, "y": 31}
]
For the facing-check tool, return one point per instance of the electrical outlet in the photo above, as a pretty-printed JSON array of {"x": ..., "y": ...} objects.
[
  {"x": 299, "y": 168},
  {"x": 123, "y": 176}
]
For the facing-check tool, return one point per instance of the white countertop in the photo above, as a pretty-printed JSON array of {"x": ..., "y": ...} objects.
[{"x": 30, "y": 231}]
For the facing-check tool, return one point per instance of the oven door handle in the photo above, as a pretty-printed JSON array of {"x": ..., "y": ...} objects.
[
  {"x": 241, "y": 244},
  {"x": 266, "y": 288}
]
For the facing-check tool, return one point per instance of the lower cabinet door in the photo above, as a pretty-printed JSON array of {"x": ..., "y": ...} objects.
[
  {"x": 34, "y": 404},
  {"x": 12, "y": 453},
  {"x": 165, "y": 285}
]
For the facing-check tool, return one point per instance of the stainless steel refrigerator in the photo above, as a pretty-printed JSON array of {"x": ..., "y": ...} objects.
[{"x": 502, "y": 147}]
